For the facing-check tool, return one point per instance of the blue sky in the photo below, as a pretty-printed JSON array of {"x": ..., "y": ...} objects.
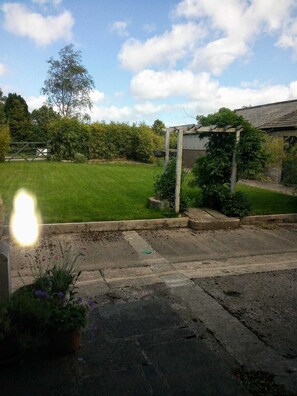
[{"x": 166, "y": 59}]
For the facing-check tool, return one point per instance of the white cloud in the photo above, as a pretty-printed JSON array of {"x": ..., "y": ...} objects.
[
  {"x": 148, "y": 108},
  {"x": 165, "y": 49},
  {"x": 149, "y": 27},
  {"x": 96, "y": 96},
  {"x": 43, "y": 30},
  {"x": 111, "y": 113},
  {"x": 2, "y": 69},
  {"x": 120, "y": 28},
  {"x": 217, "y": 55},
  {"x": 233, "y": 25},
  {"x": 35, "y": 102},
  {"x": 288, "y": 38},
  {"x": 43, "y": 2},
  {"x": 150, "y": 84}
]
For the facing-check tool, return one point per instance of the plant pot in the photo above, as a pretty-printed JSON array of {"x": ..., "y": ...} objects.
[{"x": 64, "y": 342}]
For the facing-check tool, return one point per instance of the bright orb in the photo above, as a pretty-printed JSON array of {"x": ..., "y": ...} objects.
[{"x": 24, "y": 222}]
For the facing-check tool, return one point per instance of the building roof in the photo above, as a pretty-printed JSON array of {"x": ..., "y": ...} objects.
[{"x": 277, "y": 115}]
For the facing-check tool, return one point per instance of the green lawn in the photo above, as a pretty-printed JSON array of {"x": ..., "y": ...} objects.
[
  {"x": 269, "y": 202},
  {"x": 68, "y": 192}
]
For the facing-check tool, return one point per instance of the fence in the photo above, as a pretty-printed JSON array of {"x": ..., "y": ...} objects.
[{"x": 28, "y": 151}]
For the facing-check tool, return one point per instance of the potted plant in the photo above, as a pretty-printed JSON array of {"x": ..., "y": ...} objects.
[{"x": 65, "y": 315}]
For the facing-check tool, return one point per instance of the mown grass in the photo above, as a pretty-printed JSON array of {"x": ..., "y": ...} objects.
[
  {"x": 266, "y": 202},
  {"x": 68, "y": 192},
  {"x": 263, "y": 201}
]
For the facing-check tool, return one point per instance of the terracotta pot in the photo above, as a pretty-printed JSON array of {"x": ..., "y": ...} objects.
[{"x": 63, "y": 343}]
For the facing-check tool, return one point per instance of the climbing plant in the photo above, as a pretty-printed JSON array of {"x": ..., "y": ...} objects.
[{"x": 213, "y": 172}]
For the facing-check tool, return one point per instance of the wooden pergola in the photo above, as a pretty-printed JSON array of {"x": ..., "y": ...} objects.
[{"x": 193, "y": 128}]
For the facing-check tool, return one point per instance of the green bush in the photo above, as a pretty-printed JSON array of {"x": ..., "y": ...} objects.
[
  {"x": 69, "y": 137},
  {"x": 4, "y": 141},
  {"x": 236, "y": 205},
  {"x": 120, "y": 140},
  {"x": 214, "y": 195},
  {"x": 220, "y": 198},
  {"x": 164, "y": 186},
  {"x": 80, "y": 158},
  {"x": 290, "y": 167}
]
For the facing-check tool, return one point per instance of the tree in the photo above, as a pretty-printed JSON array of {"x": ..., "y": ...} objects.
[
  {"x": 18, "y": 118},
  {"x": 159, "y": 127},
  {"x": 41, "y": 119},
  {"x": 2, "y": 103},
  {"x": 68, "y": 84}
]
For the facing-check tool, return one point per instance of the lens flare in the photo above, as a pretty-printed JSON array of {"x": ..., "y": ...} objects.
[{"x": 25, "y": 219}]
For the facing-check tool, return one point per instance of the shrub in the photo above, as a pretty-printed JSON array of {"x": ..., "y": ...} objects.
[
  {"x": 4, "y": 141},
  {"x": 290, "y": 167},
  {"x": 220, "y": 198},
  {"x": 80, "y": 158},
  {"x": 164, "y": 186},
  {"x": 214, "y": 195},
  {"x": 69, "y": 137},
  {"x": 120, "y": 140},
  {"x": 236, "y": 205},
  {"x": 143, "y": 144}
]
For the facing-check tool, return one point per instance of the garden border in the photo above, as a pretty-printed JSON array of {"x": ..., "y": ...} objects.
[{"x": 151, "y": 224}]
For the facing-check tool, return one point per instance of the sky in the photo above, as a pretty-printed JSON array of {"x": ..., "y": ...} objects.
[{"x": 155, "y": 59}]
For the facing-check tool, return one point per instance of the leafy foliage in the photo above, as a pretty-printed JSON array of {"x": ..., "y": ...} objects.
[
  {"x": 251, "y": 154},
  {"x": 213, "y": 172},
  {"x": 158, "y": 127},
  {"x": 4, "y": 141},
  {"x": 290, "y": 167},
  {"x": 18, "y": 118},
  {"x": 68, "y": 84},
  {"x": 164, "y": 186},
  {"x": 236, "y": 204},
  {"x": 68, "y": 137},
  {"x": 41, "y": 119},
  {"x": 2, "y": 112},
  {"x": 119, "y": 140}
]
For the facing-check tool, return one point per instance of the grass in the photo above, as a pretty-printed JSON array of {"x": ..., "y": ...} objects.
[
  {"x": 266, "y": 202},
  {"x": 68, "y": 192}
]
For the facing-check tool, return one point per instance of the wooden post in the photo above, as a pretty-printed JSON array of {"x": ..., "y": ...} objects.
[
  {"x": 234, "y": 162},
  {"x": 179, "y": 158},
  {"x": 167, "y": 140}
]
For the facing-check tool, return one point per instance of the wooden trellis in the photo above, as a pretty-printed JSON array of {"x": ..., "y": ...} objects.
[{"x": 198, "y": 129}]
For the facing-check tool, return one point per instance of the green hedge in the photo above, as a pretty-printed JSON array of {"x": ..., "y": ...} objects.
[{"x": 4, "y": 141}]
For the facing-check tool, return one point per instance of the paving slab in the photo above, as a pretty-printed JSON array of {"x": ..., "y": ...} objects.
[
  {"x": 134, "y": 276},
  {"x": 148, "y": 349},
  {"x": 266, "y": 303}
]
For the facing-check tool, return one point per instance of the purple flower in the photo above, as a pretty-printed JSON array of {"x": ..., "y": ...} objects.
[
  {"x": 41, "y": 294},
  {"x": 60, "y": 294},
  {"x": 79, "y": 300},
  {"x": 92, "y": 303}
]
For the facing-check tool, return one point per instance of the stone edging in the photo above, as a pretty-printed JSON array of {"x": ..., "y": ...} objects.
[
  {"x": 152, "y": 224},
  {"x": 123, "y": 225},
  {"x": 275, "y": 218}
]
